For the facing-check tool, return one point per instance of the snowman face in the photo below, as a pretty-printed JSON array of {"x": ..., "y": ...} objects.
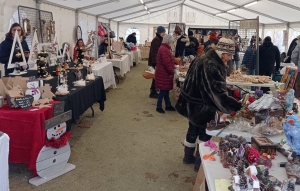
[
  {"x": 57, "y": 131},
  {"x": 33, "y": 84}
]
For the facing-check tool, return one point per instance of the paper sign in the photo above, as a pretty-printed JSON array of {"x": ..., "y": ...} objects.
[
  {"x": 237, "y": 179},
  {"x": 24, "y": 102},
  {"x": 58, "y": 108},
  {"x": 256, "y": 184}
]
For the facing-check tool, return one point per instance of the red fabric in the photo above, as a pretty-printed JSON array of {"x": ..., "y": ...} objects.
[
  {"x": 27, "y": 133},
  {"x": 213, "y": 36},
  {"x": 101, "y": 30},
  {"x": 58, "y": 143},
  {"x": 164, "y": 71}
]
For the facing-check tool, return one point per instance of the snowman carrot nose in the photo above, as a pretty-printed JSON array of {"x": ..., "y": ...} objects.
[{"x": 59, "y": 130}]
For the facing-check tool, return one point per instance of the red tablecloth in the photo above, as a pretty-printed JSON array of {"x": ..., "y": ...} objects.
[{"x": 26, "y": 131}]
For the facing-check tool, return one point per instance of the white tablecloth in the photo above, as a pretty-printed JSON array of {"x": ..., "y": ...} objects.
[
  {"x": 214, "y": 169},
  {"x": 131, "y": 57},
  {"x": 4, "y": 150},
  {"x": 122, "y": 63},
  {"x": 137, "y": 56},
  {"x": 106, "y": 71}
]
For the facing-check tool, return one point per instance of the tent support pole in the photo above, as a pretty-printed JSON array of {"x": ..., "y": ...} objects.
[
  {"x": 181, "y": 13},
  {"x": 288, "y": 32},
  {"x": 118, "y": 25}
]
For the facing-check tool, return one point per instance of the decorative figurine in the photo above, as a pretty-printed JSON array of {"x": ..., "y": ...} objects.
[
  {"x": 289, "y": 100},
  {"x": 33, "y": 88},
  {"x": 42, "y": 65}
]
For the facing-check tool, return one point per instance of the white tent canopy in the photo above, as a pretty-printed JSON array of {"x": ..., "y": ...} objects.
[{"x": 144, "y": 15}]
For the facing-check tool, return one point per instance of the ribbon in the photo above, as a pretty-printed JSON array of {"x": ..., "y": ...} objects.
[
  {"x": 35, "y": 90},
  {"x": 211, "y": 144}
]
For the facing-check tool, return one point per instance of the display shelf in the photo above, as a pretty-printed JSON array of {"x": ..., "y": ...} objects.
[
  {"x": 250, "y": 84},
  {"x": 246, "y": 135}
]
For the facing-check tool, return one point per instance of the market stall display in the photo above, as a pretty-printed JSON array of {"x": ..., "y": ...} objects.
[
  {"x": 122, "y": 63},
  {"x": 105, "y": 70}
]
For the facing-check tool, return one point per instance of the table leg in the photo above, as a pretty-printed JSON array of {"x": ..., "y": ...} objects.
[
  {"x": 116, "y": 76},
  {"x": 93, "y": 112}
]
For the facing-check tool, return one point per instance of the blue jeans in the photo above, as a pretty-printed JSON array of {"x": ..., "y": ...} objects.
[{"x": 163, "y": 94}]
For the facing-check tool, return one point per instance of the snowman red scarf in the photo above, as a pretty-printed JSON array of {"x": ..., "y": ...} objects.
[{"x": 58, "y": 143}]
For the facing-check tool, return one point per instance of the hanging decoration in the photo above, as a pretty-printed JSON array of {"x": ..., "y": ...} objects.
[{"x": 26, "y": 27}]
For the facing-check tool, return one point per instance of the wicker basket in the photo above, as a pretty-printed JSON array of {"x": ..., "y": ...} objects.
[{"x": 148, "y": 75}]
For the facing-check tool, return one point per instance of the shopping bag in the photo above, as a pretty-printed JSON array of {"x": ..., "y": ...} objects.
[
  {"x": 200, "y": 180},
  {"x": 101, "y": 31}
]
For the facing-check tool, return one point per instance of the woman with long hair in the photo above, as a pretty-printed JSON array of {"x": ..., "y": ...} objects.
[
  {"x": 6, "y": 46},
  {"x": 79, "y": 44}
]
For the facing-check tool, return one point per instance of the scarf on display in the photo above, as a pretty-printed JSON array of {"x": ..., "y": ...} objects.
[{"x": 58, "y": 143}]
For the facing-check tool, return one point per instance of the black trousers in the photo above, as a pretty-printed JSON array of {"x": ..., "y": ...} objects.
[
  {"x": 195, "y": 131},
  {"x": 264, "y": 72}
]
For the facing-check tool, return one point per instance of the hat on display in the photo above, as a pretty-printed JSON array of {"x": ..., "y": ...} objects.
[
  {"x": 225, "y": 46},
  {"x": 213, "y": 36},
  {"x": 161, "y": 29}
]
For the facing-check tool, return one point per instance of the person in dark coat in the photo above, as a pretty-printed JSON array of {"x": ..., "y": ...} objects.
[
  {"x": 103, "y": 47},
  {"x": 203, "y": 93},
  {"x": 291, "y": 49},
  {"x": 164, "y": 73},
  {"x": 131, "y": 38},
  {"x": 193, "y": 40},
  {"x": 269, "y": 54},
  {"x": 213, "y": 39},
  {"x": 6, "y": 46},
  {"x": 155, "y": 44},
  {"x": 249, "y": 60},
  {"x": 181, "y": 45}
]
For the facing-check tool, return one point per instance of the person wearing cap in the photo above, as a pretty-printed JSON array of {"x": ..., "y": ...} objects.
[
  {"x": 131, "y": 38},
  {"x": 203, "y": 94},
  {"x": 295, "y": 58},
  {"x": 291, "y": 49},
  {"x": 155, "y": 44},
  {"x": 164, "y": 74}
]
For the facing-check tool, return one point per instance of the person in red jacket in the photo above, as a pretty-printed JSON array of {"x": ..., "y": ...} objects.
[
  {"x": 164, "y": 73},
  {"x": 79, "y": 43},
  {"x": 155, "y": 44}
]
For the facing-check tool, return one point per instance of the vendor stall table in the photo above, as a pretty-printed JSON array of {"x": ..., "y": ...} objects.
[
  {"x": 246, "y": 135},
  {"x": 80, "y": 98},
  {"x": 214, "y": 169},
  {"x": 4, "y": 150},
  {"x": 26, "y": 131},
  {"x": 106, "y": 71},
  {"x": 123, "y": 64},
  {"x": 137, "y": 56},
  {"x": 249, "y": 84},
  {"x": 131, "y": 57}
]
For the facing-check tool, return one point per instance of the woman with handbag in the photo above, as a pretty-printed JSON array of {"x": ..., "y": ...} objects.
[{"x": 164, "y": 73}]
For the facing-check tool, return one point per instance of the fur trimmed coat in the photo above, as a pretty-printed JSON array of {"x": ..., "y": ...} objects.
[
  {"x": 164, "y": 72},
  {"x": 204, "y": 90},
  {"x": 180, "y": 46}
]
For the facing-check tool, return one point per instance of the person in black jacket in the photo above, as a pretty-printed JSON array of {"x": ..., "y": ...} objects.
[
  {"x": 6, "y": 46},
  {"x": 132, "y": 38},
  {"x": 268, "y": 55},
  {"x": 103, "y": 47},
  {"x": 180, "y": 46},
  {"x": 291, "y": 48},
  {"x": 194, "y": 40}
]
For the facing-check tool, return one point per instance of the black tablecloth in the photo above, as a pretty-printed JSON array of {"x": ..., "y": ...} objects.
[{"x": 80, "y": 98}]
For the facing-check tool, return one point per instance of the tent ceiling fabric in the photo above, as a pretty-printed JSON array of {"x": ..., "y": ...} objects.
[{"x": 269, "y": 11}]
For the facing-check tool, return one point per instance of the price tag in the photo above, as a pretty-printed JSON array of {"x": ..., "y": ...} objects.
[{"x": 25, "y": 102}]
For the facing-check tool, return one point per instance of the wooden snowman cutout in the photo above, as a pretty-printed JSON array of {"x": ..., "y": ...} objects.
[
  {"x": 52, "y": 161},
  {"x": 33, "y": 88}
]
